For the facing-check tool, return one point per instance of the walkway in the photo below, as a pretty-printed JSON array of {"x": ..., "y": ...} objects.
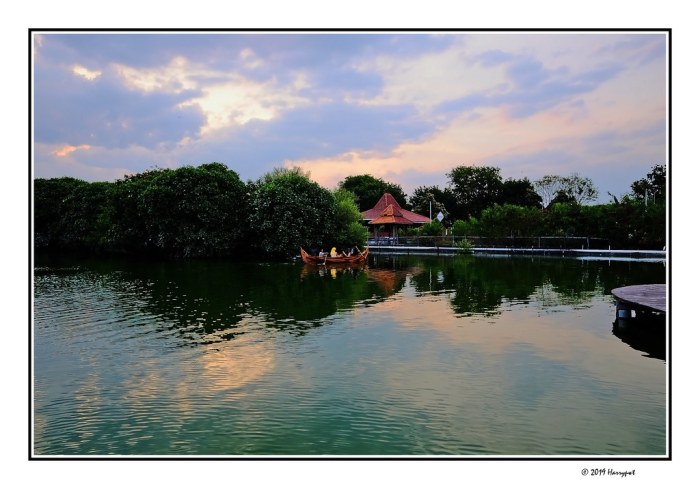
[{"x": 451, "y": 250}]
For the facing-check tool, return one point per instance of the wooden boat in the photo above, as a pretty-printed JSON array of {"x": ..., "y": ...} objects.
[{"x": 341, "y": 259}]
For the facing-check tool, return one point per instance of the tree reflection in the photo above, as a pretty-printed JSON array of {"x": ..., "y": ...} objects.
[
  {"x": 211, "y": 301},
  {"x": 480, "y": 285}
]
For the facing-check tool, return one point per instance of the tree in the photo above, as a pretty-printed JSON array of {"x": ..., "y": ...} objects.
[
  {"x": 348, "y": 230},
  {"x": 520, "y": 192},
  {"x": 476, "y": 188},
  {"x": 432, "y": 228},
  {"x": 427, "y": 199},
  {"x": 80, "y": 218},
  {"x": 459, "y": 228},
  {"x": 128, "y": 232},
  {"x": 547, "y": 188},
  {"x": 288, "y": 210},
  {"x": 72, "y": 214},
  {"x": 50, "y": 197},
  {"x": 563, "y": 219},
  {"x": 510, "y": 220},
  {"x": 573, "y": 188},
  {"x": 653, "y": 187},
  {"x": 369, "y": 190},
  {"x": 195, "y": 212},
  {"x": 562, "y": 197},
  {"x": 581, "y": 189}
]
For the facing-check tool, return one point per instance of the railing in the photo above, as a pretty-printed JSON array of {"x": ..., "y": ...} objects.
[{"x": 539, "y": 242}]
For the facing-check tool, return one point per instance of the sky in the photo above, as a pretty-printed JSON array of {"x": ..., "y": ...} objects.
[{"x": 406, "y": 106}]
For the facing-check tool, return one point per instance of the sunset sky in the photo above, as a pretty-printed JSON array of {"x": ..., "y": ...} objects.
[{"x": 404, "y": 106}]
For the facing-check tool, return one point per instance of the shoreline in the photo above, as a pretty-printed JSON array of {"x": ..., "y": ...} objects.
[{"x": 553, "y": 252}]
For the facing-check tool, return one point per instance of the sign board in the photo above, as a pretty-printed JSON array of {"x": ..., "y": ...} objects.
[{"x": 440, "y": 216}]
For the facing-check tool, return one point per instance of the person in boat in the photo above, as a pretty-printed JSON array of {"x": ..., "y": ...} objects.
[
  {"x": 321, "y": 253},
  {"x": 333, "y": 252}
]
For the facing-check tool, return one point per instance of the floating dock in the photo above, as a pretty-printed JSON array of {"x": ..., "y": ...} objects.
[{"x": 640, "y": 300}]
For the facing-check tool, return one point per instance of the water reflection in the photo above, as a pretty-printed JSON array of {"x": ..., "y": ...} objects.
[
  {"x": 211, "y": 301},
  {"x": 645, "y": 334},
  {"x": 380, "y": 282},
  {"x": 406, "y": 355}
]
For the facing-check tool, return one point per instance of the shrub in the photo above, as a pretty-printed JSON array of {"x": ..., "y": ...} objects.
[{"x": 464, "y": 247}]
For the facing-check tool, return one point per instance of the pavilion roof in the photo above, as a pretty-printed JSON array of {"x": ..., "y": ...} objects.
[
  {"x": 392, "y": 215},
  {"x": 388, "y": 211}
]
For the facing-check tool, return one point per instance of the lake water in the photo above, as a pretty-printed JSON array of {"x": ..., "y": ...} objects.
[{"x": 410, "y": 356}]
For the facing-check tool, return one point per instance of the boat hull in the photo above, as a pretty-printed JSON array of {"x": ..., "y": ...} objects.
[{"x": 330, "y": 260}]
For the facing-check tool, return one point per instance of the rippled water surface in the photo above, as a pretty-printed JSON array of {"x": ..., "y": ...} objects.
[{"x": 464, "y": 356}]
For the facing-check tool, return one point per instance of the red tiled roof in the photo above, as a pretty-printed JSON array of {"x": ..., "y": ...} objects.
[
  {"x": 391, "y": 220},
  {"x": 388, "y": 211},
  {"x": 416, "y": 218},
  {"x": 385, "y": 201},
  {"x": 392, "y": 215}
]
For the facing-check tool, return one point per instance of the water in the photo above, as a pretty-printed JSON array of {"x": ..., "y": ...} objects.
[{"x": 425, "y": 356}]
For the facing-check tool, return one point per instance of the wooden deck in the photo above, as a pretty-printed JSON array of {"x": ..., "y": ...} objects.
[{"x": 649, "y": 296}]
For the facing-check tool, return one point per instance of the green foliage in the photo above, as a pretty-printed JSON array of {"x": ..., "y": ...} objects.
[
  {"x": 368, "y": 190},
  {"x": 475, "y": 188},
  {"x": 464, "y": 246},
  {"x": 71, "y": 214},
  {"x": 50, "y": 205},
  {"x": 562, "y": 219},
  {"x": 632, "y": 224},
  {"x": 520, "y": 192},
  {"x": 427, "y": 199},
  {"x": 354, "y": 235},
  {"x": 459, "y": 228},
  {"x": 348, "y": 231},
  {"x": 86, "y": 216},
  {"x": 288, "y": 210},
  {"x": 432, "y": 228},
  {"x": 510, "y": 220},
  {"x": 207, "y": 211},
  {"x": 128, "y": 232},
  {"x": 194, "y": 212},
  {"x": 346, "y": 210},
  {"x": 410, "y": 231},
  {"x": 653, "y": 187}
]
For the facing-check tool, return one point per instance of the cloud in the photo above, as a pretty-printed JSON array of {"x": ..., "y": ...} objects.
[
  {"x": 85, "y": 73},
  {"x": 104, "y": 112},
  {"x": 67, "y": 149},
  {"x": 399, "y": 105}
]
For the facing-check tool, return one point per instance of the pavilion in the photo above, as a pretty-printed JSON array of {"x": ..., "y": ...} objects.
[{"x": 388, "y": 213}]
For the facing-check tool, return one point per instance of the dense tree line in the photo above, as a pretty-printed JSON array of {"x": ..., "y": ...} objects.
[
  {"x": 207, "y": 211},
  {"x": 203, "y": 211},
  {"x": 478, "y": 202},
  {"x": 636, "y": 221}
]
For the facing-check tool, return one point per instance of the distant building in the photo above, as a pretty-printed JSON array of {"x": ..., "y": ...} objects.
[{"x": 387, "y": 216}]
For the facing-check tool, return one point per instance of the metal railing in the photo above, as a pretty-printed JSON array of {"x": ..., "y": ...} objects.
[{"x": 515, "y": 242}]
